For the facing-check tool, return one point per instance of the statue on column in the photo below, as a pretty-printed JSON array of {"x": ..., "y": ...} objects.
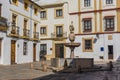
[
  {"x": 71, "y": 35},
  {"x": 71, "y": 27}
]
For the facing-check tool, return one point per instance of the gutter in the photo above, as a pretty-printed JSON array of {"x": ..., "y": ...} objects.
[{"x": 36, "y": 4}]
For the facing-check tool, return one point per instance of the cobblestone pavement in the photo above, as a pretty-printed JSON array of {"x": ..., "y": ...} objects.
[
  {"x": 98, "y": 75},
  {"x": 24, "y": 71}
]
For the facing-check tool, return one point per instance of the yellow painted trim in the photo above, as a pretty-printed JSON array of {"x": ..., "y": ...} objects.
[
  {"x": 46, "y": 14},
  {"x": 95, "y": 5},
  {"x": 95, "y": 22},
  {"x": 100, "y": 14},
  {"x": 83, "y": 45},
  {"x": 95, "y": 17},
  {"x": 53, "y": 5},
  {"x": 101, "y": 19},
  {"x": 100, "y": 4},
  {"x": 27, "y": 9},
  {"x": 36, "y": 12},
  {"x": 110, "y": 37},
  {"x": 16, "y": 12},
  {"x": 118, "y": 3},
  {"x": 55, "y": 12},
  {"x": 118, "y": 19},
  {"x": 79, "y": 17},
  {"x": 16, "y": 4}
]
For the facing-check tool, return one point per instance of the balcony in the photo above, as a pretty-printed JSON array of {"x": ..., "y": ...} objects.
[
  {"x": 36, "y": 36},
  {"x": 14, "y": 31},
  {"x": 26, "y": 33},
  {"x": 3, "y": 24},
  {"x": 59, "y": 36}
]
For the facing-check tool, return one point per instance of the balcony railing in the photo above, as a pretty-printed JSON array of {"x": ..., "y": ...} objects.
[
  {"x": 3, "y": 24},
  {"x": 26, "y": 33},
  {"x": 36, "y": 35},
  {"x": 62, "y": 35},
  {"x": 15, "y": 30}
]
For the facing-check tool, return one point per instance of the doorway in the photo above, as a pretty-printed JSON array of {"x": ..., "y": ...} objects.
[
  {"x": 110, "y": 51},
  {"x": 59, "y": 51},
  {"x": 34, "y": 52},
  {"x": 13, "y": 51}
]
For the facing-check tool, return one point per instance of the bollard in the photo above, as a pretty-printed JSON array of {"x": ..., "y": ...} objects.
[
  {"x": 110, "y": 65},
  {"x": 31, "y": 65},
  {"x": 45, "y": 67}
]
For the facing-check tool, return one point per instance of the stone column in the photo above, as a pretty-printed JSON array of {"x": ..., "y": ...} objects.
[{"x": 72, "y": 52}]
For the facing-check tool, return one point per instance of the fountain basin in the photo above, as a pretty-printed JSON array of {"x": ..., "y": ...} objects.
[{"x": 72, "y": 44}]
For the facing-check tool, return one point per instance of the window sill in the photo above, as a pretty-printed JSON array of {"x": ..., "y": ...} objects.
[
  {"x": 87, "y": 31},
  {"x": 58, "y": 17},
  {"x": 16, "y": 4},
  {"x": 43, "y": 18},
  {"x": 109, "y": 29},
  {"x": 90, "y": 50}
]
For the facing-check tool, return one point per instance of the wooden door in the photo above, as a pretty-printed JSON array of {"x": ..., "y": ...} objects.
[
  {"x": 13, "y": 50},
  {"x": 59, "y": 51},
  {"x": 110, "y": 52},
  {"x": 34, "y": 52}
]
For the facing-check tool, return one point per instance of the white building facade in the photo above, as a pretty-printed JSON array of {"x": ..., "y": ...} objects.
[
  {"x": 19, "y": 42},
  {"x": 97, "y": 28},
  {"x": 54, "y": 29},
  {"x": 96, "y": 25}
]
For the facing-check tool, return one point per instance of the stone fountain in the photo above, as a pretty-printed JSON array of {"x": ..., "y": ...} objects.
[
  {"x": 72, "y": 44},
  {"x": 72, "y": 61}
]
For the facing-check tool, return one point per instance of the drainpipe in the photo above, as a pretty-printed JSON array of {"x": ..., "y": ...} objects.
[{"x": 31, "y": 8}]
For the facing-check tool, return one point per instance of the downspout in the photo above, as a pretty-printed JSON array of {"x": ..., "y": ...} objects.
[{"x": 31, "y": 7}]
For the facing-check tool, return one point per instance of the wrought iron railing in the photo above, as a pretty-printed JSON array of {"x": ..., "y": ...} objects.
[
  {"x": 36, "y": 35},
  {"x": 61, "y": 35},
  {"x": 3, "y": 24},
  {"x": 26, "y": 32},
  {"x": 15, "y": 30}
]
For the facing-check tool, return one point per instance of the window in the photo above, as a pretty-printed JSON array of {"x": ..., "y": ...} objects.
[
  {"x": 59, "y": 31},
  {"x": 43, "y": 15},
  {"x": 88, "y": 45},
  {"x": 26, "y": 31},
  {"x": 25, "y": 23},
  {"x": 15, "y": 2},
  {"x": 109, "y": 1},
  {"x": 43, "y": 31},
  {"x": 14, "y": 19},
  {"x": 25, "y": 48},
  {"x": 43, "y": 49},
  {"x": 109, "y": 23},
  {"x": 35, "y": 26},
  {"x": 0, "y": 46},
  {"x": 87, "y": 23},
  {"x": 35, "y": 11},
  {"x": 87, "y": 3},
  {"x": 59, "y": 12},
  {"x": 25, "y": 5}
]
